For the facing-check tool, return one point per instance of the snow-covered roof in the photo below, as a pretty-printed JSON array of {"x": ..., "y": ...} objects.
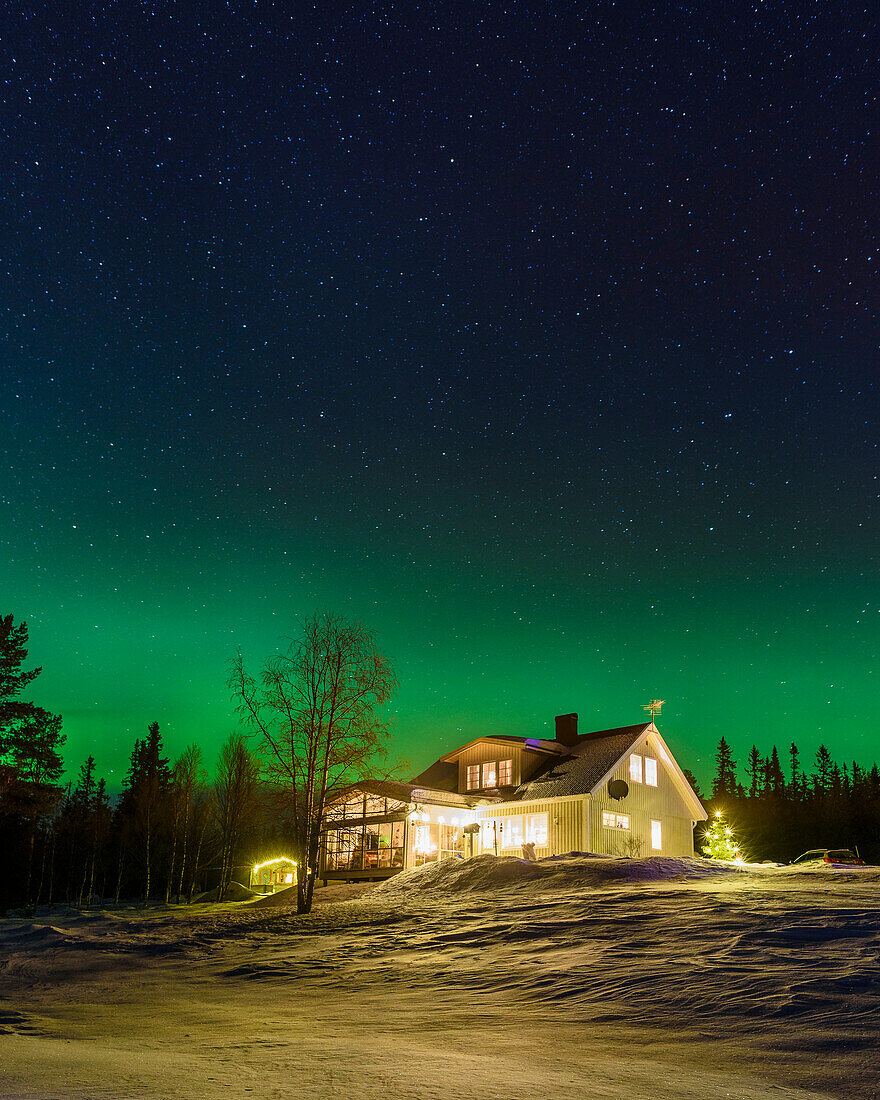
[
  {"x": 580, "y": 768},
  {"x": 595, "y": 757},
  {"x": 590, "y": 759}
]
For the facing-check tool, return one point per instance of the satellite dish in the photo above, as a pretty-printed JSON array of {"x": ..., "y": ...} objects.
[{"x": 618, "y": 788}]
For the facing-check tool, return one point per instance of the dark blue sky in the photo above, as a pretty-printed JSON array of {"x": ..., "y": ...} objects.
[{"x": 544, "y": 342}]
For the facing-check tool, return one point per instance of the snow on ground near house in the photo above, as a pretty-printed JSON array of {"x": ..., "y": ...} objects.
[{"x": 488, "y": 978}]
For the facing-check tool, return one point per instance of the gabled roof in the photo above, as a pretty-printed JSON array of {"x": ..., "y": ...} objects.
[
  {"x": 590, "y": 759},
  {"x": 595, "y": 757},
  {"x": 441, "y": 776},
  {"x": 577, "y": 769}
]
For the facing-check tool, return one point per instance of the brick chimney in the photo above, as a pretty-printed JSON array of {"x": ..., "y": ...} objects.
[{"x": 567, "y": 729}]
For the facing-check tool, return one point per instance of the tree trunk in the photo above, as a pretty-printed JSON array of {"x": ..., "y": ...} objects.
[
  {"x": 147, "y": 840},
  {"x": 183, "y": 850},
  {"x": 51, "y": 896},
  {"x": 30, "y": 862},
  {"x": 43, "y": 864},
  {"x": 170, "y": 883},
  {"x": 198, "y": 855},
  {"x": 119, "y": 871}
]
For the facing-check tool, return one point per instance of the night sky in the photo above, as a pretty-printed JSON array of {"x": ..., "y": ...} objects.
[{"x": 541, "y": 337}]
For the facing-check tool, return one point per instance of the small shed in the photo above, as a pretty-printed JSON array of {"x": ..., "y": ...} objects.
[{"x": 272, "y": 875}]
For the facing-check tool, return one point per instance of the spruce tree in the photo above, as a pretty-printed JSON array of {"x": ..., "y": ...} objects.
[
  {"x": 824, "y": 774},
  {"x": 775, "y": 778},
  {"x": 794, "y": 756},
  {"x": 725, "y": 781},
  {"x": 719, "y": 840},
  {"x": 145, "y": 801},
  {"x": 754, "y": 769}
]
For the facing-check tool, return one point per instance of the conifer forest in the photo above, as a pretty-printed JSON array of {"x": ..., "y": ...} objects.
[{"x": 181, "y": 829}]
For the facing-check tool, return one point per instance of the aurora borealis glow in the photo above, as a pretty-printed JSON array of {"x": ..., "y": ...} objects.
[{"x": 545, "y": 344}]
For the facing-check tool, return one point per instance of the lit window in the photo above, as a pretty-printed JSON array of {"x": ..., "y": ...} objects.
[
  {"x": 536, "y": 829},
  {"x": 490, "y": 774},
  {"x": 650, "y": 771},
  {"x": 513, "y": 832},
  {"x": 635, "y": 768},
  {"x": 615, "y": 821},
  {"x": 473, "y": 777},
  {"x": 656, "y": 836},
  {"x": 505, "y": 773}
]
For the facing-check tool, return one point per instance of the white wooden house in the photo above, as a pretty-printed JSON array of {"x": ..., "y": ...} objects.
[{"x": 614, "y": 792}]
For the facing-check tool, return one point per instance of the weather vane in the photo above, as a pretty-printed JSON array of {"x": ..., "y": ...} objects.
[{"x": 654, "y": 707}]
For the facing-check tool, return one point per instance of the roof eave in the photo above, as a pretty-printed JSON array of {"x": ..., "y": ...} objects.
[
  {"x": 681, "y": 784},
  {"x": 531, "y": 744}
]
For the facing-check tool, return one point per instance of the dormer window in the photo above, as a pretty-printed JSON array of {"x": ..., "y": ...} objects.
[{"x": 492, "y": 773}]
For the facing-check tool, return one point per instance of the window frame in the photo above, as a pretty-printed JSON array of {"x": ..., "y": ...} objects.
[
  {"x": 532, "y": 833},
  {"x": 652, "y": 772},
  {"x": 615, "y": 820},
  {"x": 656, "y": 835},
  {"x": 635, "y": 767},
  {"x": 489, "y": 774},
  {"x": 515, "y": 828}
]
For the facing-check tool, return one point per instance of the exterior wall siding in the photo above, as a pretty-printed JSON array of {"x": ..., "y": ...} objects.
[
  {"x": 642, "y": 805},
  {"x": 566, "y": 822},
  {"x": 524, "y": 763}
]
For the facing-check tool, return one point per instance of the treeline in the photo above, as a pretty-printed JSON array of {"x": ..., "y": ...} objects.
[
  {"x": 780, "y": 810},
  {"x": 170, "y": 835}
]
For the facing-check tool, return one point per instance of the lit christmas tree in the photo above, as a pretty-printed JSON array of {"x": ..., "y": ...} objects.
[{"x": 719, "y": 841}]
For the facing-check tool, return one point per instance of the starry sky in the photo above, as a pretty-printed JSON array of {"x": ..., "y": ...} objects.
[{"x": 540, "y": 337}]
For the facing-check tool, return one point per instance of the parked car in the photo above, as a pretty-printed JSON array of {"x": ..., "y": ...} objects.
[{"x": 840, "y": 857}]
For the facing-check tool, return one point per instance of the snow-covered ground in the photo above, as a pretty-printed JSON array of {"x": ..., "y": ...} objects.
[{"x": 491, "y": 978}]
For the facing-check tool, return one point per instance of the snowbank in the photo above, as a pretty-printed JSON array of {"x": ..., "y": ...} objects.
[
  {"x": 489, "y": 872},
  {"x": 323, "y": 895},
  {"x": 236, "y": 892},
  {"x": 279, "y": 898}
]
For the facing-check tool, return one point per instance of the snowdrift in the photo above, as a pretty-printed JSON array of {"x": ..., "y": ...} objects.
[
  {"x": 488, "y": 872},
  {"x": 236, "y": 892},
  {"x": 279, "y": 898}
]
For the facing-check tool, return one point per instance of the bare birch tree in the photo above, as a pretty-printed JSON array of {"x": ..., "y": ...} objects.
[
  {"x": 235, "y": 794},
  {"x": 314, "y": 708},
  {"x": 186, "y": 775}
]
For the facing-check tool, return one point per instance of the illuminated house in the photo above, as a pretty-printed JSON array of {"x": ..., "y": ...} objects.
[
  {"x": 273, "y": 875},
  {"x": 612, "y": 792}
]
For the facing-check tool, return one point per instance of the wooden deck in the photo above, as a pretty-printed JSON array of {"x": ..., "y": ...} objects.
[{"x": 369, "y": 874}]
